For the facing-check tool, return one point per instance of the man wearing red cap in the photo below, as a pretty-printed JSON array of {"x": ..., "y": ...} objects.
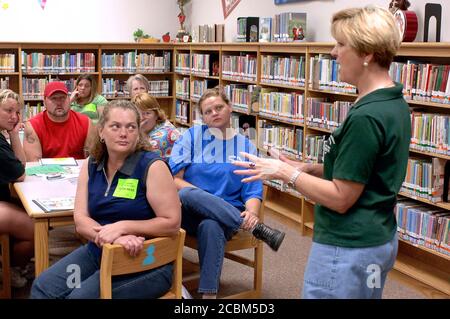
[{"x": 58, "y": 131}]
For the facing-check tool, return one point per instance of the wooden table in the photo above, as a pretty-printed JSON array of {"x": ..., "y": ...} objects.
[{"x": 37, "y": 187}]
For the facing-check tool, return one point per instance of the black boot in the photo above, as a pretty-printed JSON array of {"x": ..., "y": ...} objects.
[{"x": 272, "y": 237}]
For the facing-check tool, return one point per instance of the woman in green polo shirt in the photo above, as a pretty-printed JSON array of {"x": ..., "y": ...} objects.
[
  {"x": 365, "y": 159},
  {"x": 85, "y": 99}
]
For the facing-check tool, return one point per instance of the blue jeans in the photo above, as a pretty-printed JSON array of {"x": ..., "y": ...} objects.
[
  {"x": 55, "y": 283},
  {"x": 213, "y": 221},
  {"x": 340, "y": 272}
]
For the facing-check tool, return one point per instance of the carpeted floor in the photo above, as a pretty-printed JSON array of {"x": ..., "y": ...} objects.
[{"x": 282, "y": 270}]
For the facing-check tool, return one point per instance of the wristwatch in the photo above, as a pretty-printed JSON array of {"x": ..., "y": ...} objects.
[{"x": 293, "y": 179}]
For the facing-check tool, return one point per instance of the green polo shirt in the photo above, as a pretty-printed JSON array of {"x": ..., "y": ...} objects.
[
  {"x": 90, "y": 109},
  {"x": 371, "y": 147}
]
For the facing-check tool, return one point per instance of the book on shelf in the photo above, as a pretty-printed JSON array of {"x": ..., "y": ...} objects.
[
  {"x": 63, "y": 161},
  {"x": 55, "y": 204},
  {"x": 265, "y": 29},
  {"x": 297, "y": 26},
  {"x": 247, "y": 29}
]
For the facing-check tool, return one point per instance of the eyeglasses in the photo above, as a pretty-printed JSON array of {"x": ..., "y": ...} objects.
[
  {"x": 218, "y": 108},
  {"x": 147, "y": 113}
]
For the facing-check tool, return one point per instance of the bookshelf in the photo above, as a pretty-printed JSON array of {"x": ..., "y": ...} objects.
[
  {"x": 291, "y": 121},
  {"x": 288, "y": 117}
]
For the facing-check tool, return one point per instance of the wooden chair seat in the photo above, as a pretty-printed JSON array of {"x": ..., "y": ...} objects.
[{"x": 116, "y": 261}]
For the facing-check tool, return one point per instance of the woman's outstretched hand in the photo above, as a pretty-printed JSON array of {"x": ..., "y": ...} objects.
[{"x": 263, "y": 168}]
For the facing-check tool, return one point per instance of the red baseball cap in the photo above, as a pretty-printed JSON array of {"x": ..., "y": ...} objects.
[{"x": 54, "y": 87}]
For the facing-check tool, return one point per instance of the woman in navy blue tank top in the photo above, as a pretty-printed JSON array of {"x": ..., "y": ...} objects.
[{"x": 125, "y": 195}]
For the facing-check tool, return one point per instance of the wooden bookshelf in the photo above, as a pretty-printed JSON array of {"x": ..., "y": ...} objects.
[{"x": 428, "y": 270}]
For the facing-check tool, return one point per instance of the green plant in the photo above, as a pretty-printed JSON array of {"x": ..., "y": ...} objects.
[{"x": 139, "y": 34}]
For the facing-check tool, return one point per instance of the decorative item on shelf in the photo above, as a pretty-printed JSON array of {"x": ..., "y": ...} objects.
[
  {"x": 166, "y": 37},
  {"x": 432, "y": 10},
  {"x": 182, "y": 35},
  {"x": 228, "y": 6},
  {"x": 141, "y": 37},
  {"x": 406, "y": 20}
]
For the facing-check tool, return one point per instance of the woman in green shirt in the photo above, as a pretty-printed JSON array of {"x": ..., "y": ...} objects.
[{"x": 85, "y": 99}]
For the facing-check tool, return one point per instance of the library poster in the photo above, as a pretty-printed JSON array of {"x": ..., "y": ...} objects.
[{"x": 228, "y": 6}]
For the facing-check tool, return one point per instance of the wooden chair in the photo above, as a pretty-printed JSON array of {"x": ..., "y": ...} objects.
[
  {"x": 116, "y": 261},
  {"x": 241, "y": 241},
  {"x": 5, "y": 292}
]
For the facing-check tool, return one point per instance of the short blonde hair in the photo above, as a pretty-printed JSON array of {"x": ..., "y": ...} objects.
[
  {"x": 10, "y": 94},
  {"x": 146, "y": 102},
  {"x": 369, "y": 30}
]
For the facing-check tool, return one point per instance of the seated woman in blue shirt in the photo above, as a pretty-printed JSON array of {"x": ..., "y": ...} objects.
[
  {"x": 215, "y": 203},
  {"x": 124, "y": 195}
]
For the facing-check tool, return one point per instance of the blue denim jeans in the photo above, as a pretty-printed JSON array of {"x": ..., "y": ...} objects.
[
  {"x": 213, "y": 221},
  {"x": 350, "y": 273},
  {"x": 57, "y": 281}
]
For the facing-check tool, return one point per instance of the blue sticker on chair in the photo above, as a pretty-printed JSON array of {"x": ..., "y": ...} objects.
[{"x": 150, "y": 259}]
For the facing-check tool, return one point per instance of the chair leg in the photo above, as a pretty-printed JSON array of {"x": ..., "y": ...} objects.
[{"x": 5, "y": 292}]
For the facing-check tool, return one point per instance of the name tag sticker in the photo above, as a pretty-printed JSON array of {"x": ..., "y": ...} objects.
[{"x": 126, "y": 188}]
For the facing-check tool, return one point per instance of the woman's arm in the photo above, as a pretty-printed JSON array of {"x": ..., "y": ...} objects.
[
  {"x": 83, "y": 222},
  {"x": 31, "y": 144},
  {"x": 163, "y": 197},
  {"x": 180, "y": 182},
  {"x": 251, "y": 213},
  {"x": 338, "y": 195}
]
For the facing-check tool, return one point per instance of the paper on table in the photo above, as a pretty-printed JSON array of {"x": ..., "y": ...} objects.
[
  {"x": 53, "y": 204},
  {"x": 69, "y": 161},
  {"x": 44, "y": 169}
]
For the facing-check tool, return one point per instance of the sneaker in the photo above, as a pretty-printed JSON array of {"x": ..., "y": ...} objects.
[
  {"x": 272, "y": 237},
  {"x": 17, "y": 281},
  {"x": 185, "y": 293}
]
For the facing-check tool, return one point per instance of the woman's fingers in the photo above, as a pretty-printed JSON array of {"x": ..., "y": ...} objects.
[{"x": 246, "y": 172}]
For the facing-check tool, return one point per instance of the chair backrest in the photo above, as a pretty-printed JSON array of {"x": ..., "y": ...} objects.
[
  {"x": 5, "y": 292},
  {"x": 156, "y": 252}
]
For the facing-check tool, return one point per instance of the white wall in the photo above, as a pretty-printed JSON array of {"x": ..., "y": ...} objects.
[
  {"x": 86, "y": 20},
  {"x": 319, "y": 13}
]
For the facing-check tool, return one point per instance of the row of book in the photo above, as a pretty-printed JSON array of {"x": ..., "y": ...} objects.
[
  {"x": 283, "y": 70},
  {"x": 182, "y": 111},
  {"x": 239, "y": 67},
  {"x": 324, "y": 75},
  {"x": 423, "y": 81},
  {"x": 183, "y": 63},
  {"x": 423, "y": 226},
  {"x": 327, "y": 115},
  {"x": 37, "y": 62},
  {"x": 198, "y": 87},
  {"x": 132, "y": 62},
  {"x": 314, "y": 147},
  {"x": 4, "y": 83},
  {"x": 287, "y": 139},
  {"x": 209, "y": 33},
  {"x": 7, "y": 62},
  {"x": 33, "y": 88},
  {"x": 30, "y": 111},
  {"x": 425, "y": 178},
  {"x": 283, "y": 27},
  {"x": 182, "y": 88},
  {"x": 113, "y": 88},
  {"x": 430, "y": 132},
  {"x": 243, "y": 97},
  {"x": 288, "y": 107}
]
